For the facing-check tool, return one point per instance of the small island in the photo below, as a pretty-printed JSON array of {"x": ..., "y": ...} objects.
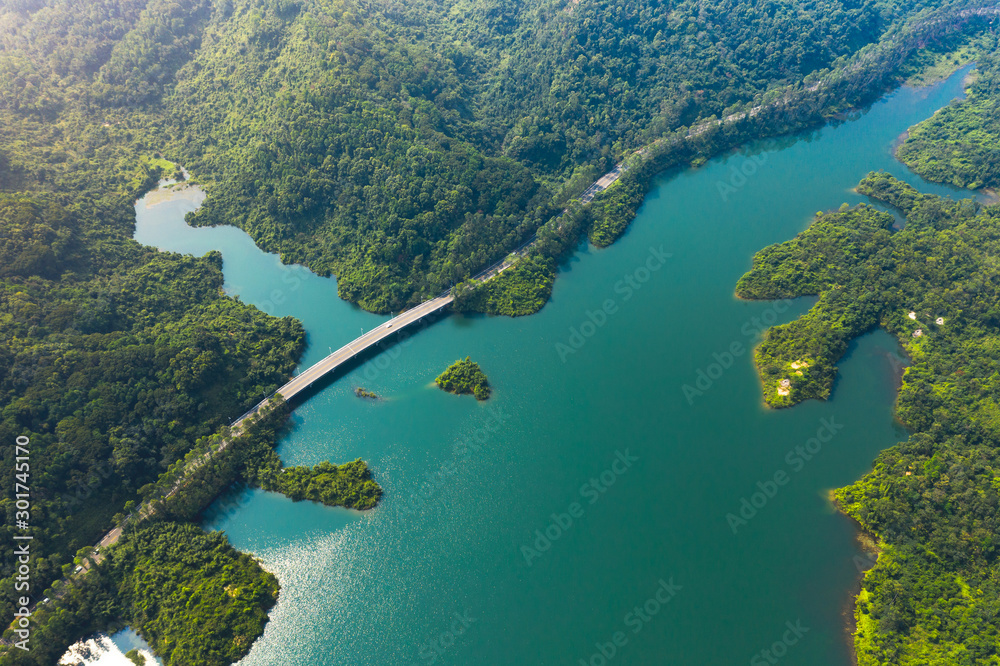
[
  {"x": 362, "y": 392},
  {"x": 464, "y": 377}
]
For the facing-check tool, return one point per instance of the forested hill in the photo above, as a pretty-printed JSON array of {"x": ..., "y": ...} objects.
[
  {"x": 404, "y": 145},
  {"x": 400, "y": 146}
]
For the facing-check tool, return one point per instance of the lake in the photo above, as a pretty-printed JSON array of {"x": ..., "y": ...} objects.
[{"x": 585, "y": 513}]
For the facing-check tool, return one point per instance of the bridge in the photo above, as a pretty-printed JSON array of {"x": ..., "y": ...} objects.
[
  {"x": 366, "y": 341},
  {"x": 303, "y": 381},
  {"x": 604, "y": 182}
]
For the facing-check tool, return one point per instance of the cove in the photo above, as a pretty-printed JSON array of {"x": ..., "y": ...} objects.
[{"x": 635, "y": 564}]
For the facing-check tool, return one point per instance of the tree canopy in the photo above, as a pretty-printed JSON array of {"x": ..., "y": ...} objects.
[{"x": 464, "y": 376}]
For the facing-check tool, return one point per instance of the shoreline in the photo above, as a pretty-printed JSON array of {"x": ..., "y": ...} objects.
[
  {"x": 167, "y": 191},
  {"x": 869, "y": 546},
  {"x": 172, "y": 190},
  {"x": 865, "y": 538},
  {"x": 898, "y": 143}
]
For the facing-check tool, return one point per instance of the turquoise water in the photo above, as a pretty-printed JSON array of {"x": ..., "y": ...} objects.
[
  {"x": 641, "y": 563},
  {"x": 127, "y": 639}
]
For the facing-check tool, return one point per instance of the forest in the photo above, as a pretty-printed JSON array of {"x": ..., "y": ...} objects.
[
  {"x": 520, "y": 290},
  {"x": 193, "y": 597},
  {"x": 931, "y": 501},
  {"x": 399, "y": 146},
  {"x": 116, "y": 359},
  {"x": 402, "y": 147}
]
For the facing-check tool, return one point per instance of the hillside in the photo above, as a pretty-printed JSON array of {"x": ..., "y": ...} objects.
[
  {"x": 399, "y": 146},
  {"x": 403, "y": 146}
]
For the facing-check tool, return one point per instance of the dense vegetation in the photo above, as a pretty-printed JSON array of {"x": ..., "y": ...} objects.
[
  {"x": 193, "y": 597},
  {"x": 522, "y": 289},
  {"x": 250, "y": 459},
  {"x": 180, "y": 494},
  {"x": 960, "y": 145},
  {"x": 812, "y": 265},
  {"x": 349, "y": 485},
  {"x": 85, "y": 606},
  {"x": 464, "y": 376},
  {"x": 402, "y": 146},
  {"x": 933, "y": 500},
  {"x": 115, "y": 360}
]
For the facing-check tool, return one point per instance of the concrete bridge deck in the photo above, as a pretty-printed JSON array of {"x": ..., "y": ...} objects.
[{"x": 349, "y": 351}]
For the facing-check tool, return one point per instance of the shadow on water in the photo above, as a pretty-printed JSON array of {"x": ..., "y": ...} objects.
[
  {"x": 467, "y": 320},
  {"x": 566, "y": 263},
  {"x": 226, "y": 504}
]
